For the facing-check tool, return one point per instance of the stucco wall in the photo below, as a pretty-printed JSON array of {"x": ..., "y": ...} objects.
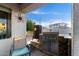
[{"x": 18, "y": 29}]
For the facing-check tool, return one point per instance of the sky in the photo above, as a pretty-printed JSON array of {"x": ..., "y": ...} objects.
[{"x": 51, "y": 13}]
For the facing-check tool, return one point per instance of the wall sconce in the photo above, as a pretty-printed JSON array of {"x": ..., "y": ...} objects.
[{"x": 20, "y": 18}]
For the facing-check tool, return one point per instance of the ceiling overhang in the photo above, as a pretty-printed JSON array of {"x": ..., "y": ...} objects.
[
  {"x": 26, "y": 7},
  {"x": 23, "y": 7}
]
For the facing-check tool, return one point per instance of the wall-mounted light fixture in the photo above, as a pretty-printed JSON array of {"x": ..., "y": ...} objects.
[{"x": 20, "y": 18}]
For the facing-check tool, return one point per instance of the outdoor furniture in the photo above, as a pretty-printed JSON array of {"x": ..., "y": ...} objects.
[
  {"x": 64, "y": 46},
  {"x": 50, "y": 42},
  {"x": 19, "y": 48},
  {"x": 55, "y": 44},
  {"x": 37, "y": 31},
  {"x": 38, "y": 46}
]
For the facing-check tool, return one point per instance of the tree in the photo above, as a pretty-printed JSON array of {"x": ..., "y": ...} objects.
[{"x": 30, "y": 25}]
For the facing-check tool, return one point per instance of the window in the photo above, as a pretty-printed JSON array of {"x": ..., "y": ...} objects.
[{"x": 5, "y": 23}]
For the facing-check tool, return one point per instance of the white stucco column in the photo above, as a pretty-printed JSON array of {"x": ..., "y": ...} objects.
[
  {"x": 75, "y": 47},
  {"x": 18, "y": 27}
]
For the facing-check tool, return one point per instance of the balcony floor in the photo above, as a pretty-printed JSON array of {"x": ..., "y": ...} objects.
[{"x": 37, "y": 53}]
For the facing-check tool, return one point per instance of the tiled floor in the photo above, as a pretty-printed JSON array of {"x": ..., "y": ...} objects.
[
  {"x": 34, "y": 52},
  {"x": 37, "y": 53}
]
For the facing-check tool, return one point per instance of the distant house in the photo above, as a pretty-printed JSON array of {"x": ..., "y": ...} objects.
[
  {"x": 45, "y": 29},
  {"x": 62, "y": 28}
]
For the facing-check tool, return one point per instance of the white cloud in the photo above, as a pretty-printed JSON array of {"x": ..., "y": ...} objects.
[
  {"x": 38, "y": 12},
  {"x": 48, "y": 12},
  {"x": 41, "y": 12},
  {"x": 51, "y": 21}
]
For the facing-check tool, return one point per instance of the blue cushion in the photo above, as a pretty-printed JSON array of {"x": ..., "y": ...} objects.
[{"x": 21, "y": 51}]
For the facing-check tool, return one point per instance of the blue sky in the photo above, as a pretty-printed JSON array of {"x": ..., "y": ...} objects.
[{"x": 51, "y": 13}]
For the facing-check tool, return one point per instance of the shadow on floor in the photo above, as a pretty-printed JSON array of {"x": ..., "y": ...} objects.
[{"x": 37, "y": 53}]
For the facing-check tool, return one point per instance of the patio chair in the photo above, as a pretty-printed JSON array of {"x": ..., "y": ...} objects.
[{"x": 20, "y": 48}]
